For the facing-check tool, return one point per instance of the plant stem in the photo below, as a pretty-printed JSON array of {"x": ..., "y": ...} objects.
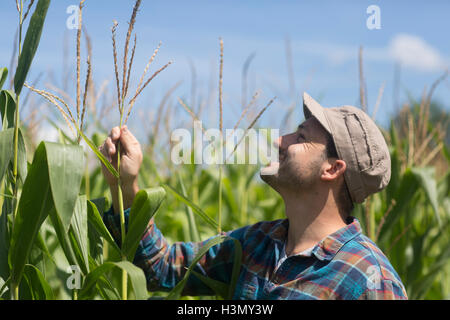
[
  {"x": 14, "y": 291},
  {"x": 16, "y": 120},
  {"x": 219, "y": 228},
  {"x": 122, "y": 216},
  {"x": 15, "y": 287},
  {"x": 16, "y": 148}
]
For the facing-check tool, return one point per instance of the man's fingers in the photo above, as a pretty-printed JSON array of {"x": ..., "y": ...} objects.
[
  {"x": 110, "y": 146},
  {"x": 115, "y": 134},
  {"x": 127, "y": 139},
  {"x": 103, "y": 151}
]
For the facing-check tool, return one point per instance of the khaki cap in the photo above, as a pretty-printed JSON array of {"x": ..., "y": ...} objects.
[{"x": 358, "y": 142}]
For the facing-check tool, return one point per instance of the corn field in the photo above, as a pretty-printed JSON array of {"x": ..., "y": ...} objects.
[{"x": 53, "y": 195}]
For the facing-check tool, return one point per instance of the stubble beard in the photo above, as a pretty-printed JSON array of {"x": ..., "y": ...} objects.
[{"x": 291, "y": 176}]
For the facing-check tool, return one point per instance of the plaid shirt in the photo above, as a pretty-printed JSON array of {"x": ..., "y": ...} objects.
[{"x": 344, "y": 265}]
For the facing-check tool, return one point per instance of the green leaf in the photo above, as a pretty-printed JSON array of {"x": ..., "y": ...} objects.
[
  {"x": 176, "y": 292},
  {"x": 423, "y": 284},
  {"x": 3, "y": 76},
  {"x": 30, "y": 44},
  {"x": 40, "y": 243},
  {"x": 426, "y": 179},
  {"x": 99, "y": 155},
  {"x": 34, "y": 205},
  {"x": 7, "y": 108},
  {"x": 7, "y": 153},
  {"x": 63, "y": 238},
  {"x": 6, "y": 141},
  {"x": 408, "y": 187},
  {"x": 221, "y": 289},
  {"x": 193, "y": 231},
  {"x": 22, "y": 164},
  {"x": 196, "y": 209},
  {"x": 63, "y": 137},
  {"x": 99, "y": 204},
  {"x": 237, "y": 263},
  {"x": 4, "y": 244},
  {"x": 95, "y": 245},
  {"x": 135, "y": 274},
  {"x": 79, "y": 232},
  {"x": 107, "y": 290},
  {"x": 145, "y": 205},
  {"x": 41, "y": 290},
  {"x": 53, "y": 178},
  {"x": 96, "y": 221},
  {"x": 66, "y": 172}
]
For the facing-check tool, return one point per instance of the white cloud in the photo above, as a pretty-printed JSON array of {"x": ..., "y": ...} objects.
[{"x": 412, "y": 51}]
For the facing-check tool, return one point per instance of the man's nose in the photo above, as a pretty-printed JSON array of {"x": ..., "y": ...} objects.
[{"x": 280, "y": 143}]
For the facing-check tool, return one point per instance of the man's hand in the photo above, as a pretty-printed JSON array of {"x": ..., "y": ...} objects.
[{"x": 130, "y": 162}]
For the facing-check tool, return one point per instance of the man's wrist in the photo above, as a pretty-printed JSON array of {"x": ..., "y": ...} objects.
[{"x": 129, "y": 191}]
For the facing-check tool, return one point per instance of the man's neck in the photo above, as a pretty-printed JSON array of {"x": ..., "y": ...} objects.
[{"x": 312, "y": 217}]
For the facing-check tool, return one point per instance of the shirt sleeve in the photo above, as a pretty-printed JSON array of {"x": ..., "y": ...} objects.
[
  {"x": 385, "y": 290},
  {"x": 165, "y": 265}
]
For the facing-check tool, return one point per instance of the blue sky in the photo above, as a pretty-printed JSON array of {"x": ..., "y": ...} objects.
[{"x": 324, "y": 38}]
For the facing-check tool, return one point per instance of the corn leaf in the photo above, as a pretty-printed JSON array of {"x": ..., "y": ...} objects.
[
  {"x": 237, "y": 263},
  {"x": 96, "y": 221},
  {"x": 408, "y": 187},
  {"x": 99, "y": 155},
  {"x": 40, "y": 243},
  {"x": 426, "y": 179},
  {"x": 34, "y": 205},
  {"x": 423, "y": 284},
  {"x": 65, "y": 172},
  {"x": 145, "y": 205},
  {"x": 79, "y": 232},
  {"x": 193, "y": 231},
  {"x": 3, "y": 76},
  {"x": 107, "y": 290},
  {"x": 40, "y": 289},
  {"x": 194, "y": 207},
  {"x": 30, "y": 44},
  {"x": 135, "y": 274},
  {"x": 22, "y": 164},
  {"x": 95, "y": 245},
  {"x": 221, "y": 289},
  {"x": 7, "y": 108},
  {"x": 178, "y": 289},
  {"x": 4, "y": 245},
  {"x": 6, "y": 141},
  {"x": 63, "y": 238}
]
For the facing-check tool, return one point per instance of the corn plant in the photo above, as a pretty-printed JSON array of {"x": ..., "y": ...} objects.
[
  {"x": 52, "y": 206},
  {"x": 75, "y": 220}
]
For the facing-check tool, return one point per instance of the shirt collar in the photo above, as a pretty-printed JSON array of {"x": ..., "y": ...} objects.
[{"x": 328, "y": 247}]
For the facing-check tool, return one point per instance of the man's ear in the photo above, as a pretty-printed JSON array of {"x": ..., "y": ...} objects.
[{"x": 333, "y": 169}]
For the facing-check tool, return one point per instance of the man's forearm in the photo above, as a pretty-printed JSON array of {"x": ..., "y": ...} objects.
[{"x": 128, "y": 193}]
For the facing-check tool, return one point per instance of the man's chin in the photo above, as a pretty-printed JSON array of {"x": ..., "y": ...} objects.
[
  {"x": 269, "y": 174},
  {"x": 270, "y": 170}
]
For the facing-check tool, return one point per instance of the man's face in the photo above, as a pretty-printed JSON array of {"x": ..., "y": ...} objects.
[{"x": 301, "y": 156}]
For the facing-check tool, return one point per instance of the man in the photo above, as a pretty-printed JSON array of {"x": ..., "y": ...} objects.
[{"x": 336, "y": 157}]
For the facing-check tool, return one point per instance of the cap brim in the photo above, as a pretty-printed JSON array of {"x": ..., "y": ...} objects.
[{"x": 312, "y": 108}]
